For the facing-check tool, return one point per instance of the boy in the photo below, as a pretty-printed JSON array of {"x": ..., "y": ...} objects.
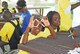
[
  {"x": 24, "y": 13},
  {"x": 7, "y": 29},
  {"x": 5, "y": 6}
]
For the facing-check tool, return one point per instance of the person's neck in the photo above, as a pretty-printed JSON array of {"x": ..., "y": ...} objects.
[
  {"x": 54, "y": 27},
  {"x": 25, "y": 11},
  {"x": 5, "y": 8}
]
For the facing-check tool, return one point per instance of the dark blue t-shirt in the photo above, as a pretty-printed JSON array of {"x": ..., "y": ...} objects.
[{"x": 26, "y": 18}]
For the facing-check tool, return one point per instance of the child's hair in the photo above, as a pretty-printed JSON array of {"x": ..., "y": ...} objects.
[
  {"x": 7, "y": 14},
  {"x": 4, "y": 3},
  {"x": 21, "y": 3},
  {"x": 50, "y": 15},
  {"x": 38, "y": 17}
]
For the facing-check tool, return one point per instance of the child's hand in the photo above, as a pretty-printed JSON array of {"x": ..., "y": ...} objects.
[
  {"x": 36, "y": 23},
  {"x": 52, "y": 36},
  {"x": 45, "y": 21}
]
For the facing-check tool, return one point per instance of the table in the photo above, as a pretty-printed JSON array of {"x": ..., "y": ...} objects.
[
  {"x": 61, "y": 45},
  {"x": 40, "y": 8}
]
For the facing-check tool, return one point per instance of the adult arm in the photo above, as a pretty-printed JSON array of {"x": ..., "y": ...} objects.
[{"x": 73, "y": 6}]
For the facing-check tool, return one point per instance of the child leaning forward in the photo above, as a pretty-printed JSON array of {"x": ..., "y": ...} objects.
[{"x": 34, "y": 31}]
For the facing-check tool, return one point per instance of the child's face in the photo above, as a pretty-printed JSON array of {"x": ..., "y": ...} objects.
[
  {"x": 21, "y": 9},
  {"x": 56, "y": 20},
  {"x": 5, "y": 6},
  {"x": 37, "y": 28}
]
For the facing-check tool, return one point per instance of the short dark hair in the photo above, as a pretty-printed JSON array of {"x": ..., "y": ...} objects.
[
  {"x": 4, "y": 3},
  {"x": 21, "y": 3}
]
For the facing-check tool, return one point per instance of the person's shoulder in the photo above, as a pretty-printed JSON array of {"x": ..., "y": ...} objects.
[
  {"x": 15, "y": 22},
  {"x": 6, "y": 25},
  {"x": 9, "y": 23},
  {"x": 28, "y": 12},
  {"x": 46, "y": 29}
]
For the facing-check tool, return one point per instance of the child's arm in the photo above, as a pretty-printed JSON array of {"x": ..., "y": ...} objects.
[
  {"x": 53, "y": 34},
  {"x": 25, "y": 37}
]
